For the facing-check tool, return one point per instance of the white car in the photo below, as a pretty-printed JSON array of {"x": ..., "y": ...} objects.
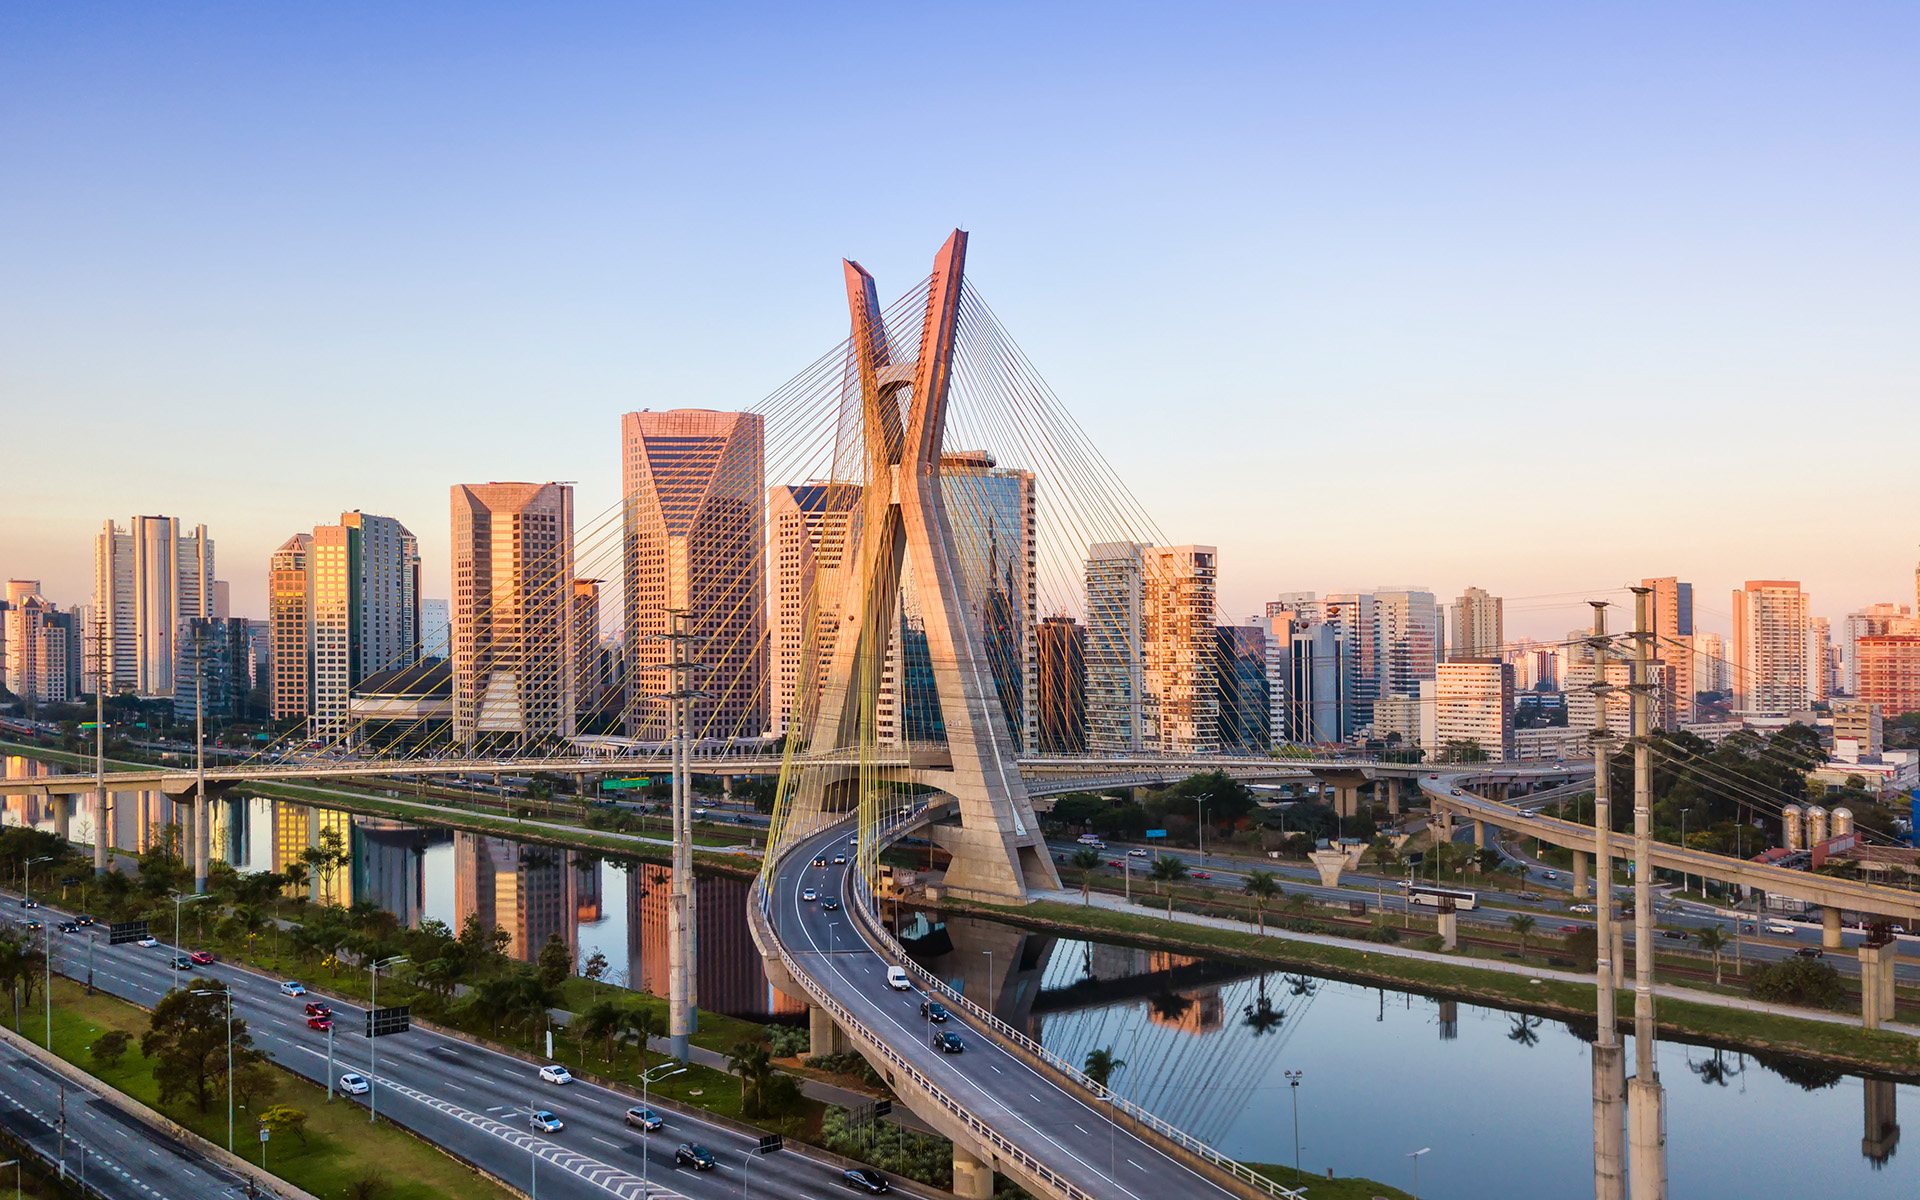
[
  {"x": 148, "y": 943},
  {"x": 809, "y": 894},
  {"x": 897, "y": 979},
  {"x": 555, "y": 1073},
  {"x": 290, "y": 988},
  {"x": 1777, "y": 927},
  {"x": 354, "y": 1085},
  {"x": 1136, "y": 854}
]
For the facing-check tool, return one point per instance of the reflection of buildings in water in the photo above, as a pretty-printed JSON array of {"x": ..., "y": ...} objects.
[
  {"x": 1883, "y": 1128},
  {"x": 1017, "y": 960},
  {"x": 1449, "y": 1020},
  {"x": 524, "y": 889},
  {"x": 731, "y": 977},
  {"x": 296, "y": 828},
  {"x": 588, "y": 898},
  {"x": 386, "y": 867},
  {"x": 1197, "y": 1012}
]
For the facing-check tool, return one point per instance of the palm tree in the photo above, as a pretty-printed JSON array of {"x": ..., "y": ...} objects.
[
  {"x": 1713, "y": 939},
  {"x": 599, "y": 1023},
  {"x": 1263, "y": 888},
  {"x": 1167, "y": 869},
  {"x": 753, "y": 1063},
  {"x": 1101, "y": 1064},
  {"x": 1525, "y": 1030},
  {"x": 1262, "y": 1016},
  {"x": 641, "y": 1024},
  {"x": 1522, "y": 924},
  {"x": 1086, "y": 858}
]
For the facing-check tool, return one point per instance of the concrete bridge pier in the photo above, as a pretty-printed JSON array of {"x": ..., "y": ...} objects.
[
  {"x": 1647, "y": 1138},
  {"x": 1609, "y": 1123},
  {"x": 1330, "y": 863},
  {"x": 823, "y": 1036},
  {"x": 1480, "y": 834},
  {"x": 1877, "y": 967},
  {"x": 1830, "y": 927},
  {"x": 1393, "y": 785},
  {"x": 1579, "y": 874},
  {"x": 62, "y": 815},
  {"x": 972, "y": 1178},
  {"x": 1619, "y": 950},
  {"x": 1449, "y": 930}
]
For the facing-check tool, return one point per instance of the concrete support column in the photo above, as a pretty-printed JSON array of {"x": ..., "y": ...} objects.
[
  {"x": 1393, "y": 795},
  {"x": 1609, "y": 1123},
  {"x": 972, "y": 1179},
  {"x": 1349, "y": 800},
  {"x": 823, "y": 1036},
  {"x": 1480, "y": 834},
  {"x": 1330, "y": 863},
  {"x": 1619, "y": 950},
  {"x": 1830, "y": 927},
  {"x": 62, "y": 815},
  {"x": 1449, "y": 931},
  {"x": 1579, "y": 875},
  {"x": 1872, "y": 987},
  {"x": 1647, "y": 1138},
  {"x": 102, "y": 835}
]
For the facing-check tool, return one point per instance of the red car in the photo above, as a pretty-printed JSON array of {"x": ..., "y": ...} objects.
[
  {"x": 317, "y": 1009},
  {"x": 321, "y": 1023},
  {"x": 1115, "y": 863},
  {"x": 1203, "y": 875},
  {"x": 1569, "y": 929},
  {"x": 201, "y": 958}
]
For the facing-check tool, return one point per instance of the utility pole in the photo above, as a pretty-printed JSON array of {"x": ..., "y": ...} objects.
[
  {"x": 1609, "y": 1059},
  {"x": 197, "y": 846},
  {"x": 100, "y": 821},
  {"x": 683, "y": 997},
  {"x": 1646, "y": 1119}
]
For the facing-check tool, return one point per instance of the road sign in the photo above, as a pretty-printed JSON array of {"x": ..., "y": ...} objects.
[
  {"x": 121, "y": 932},
  {"x": 1156, "y": 833},
  {"x": 882, "y": 1107},
  {"x": 263, "y": 1133},
  {"x": 614, "y": 785},
  {"x": 770, "y": 1143},
  {"x": 383, "y": 1021}
]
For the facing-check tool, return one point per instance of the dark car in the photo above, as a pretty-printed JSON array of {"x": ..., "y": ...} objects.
[
  {"x": 830, "y": 903},
  {"x": 933, "y": 1010},
  {"x": 1678, "y": 935},
  {"x": 819, "y": 862},
  {"x": 693, "y": 1155},
  {"x": 29, "y": 904},
  {"x": 182, "y": 963},
  {"x": 1810, "y": 952},
  {"x": 85, "y": 920},
  {"x": 69, "y": 927},
  {"x": 317, "y": 1009},
  {"x": 947, "y": 1042},
  {"x": 866, "y": 1179},
  {"x": 31, "y": 925}
]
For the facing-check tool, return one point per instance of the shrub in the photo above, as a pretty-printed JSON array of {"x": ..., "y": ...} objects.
[
  {"x": 110, "y": 1046},
  {"x": 1799, "y": 981},
  {"x": 1383, "y": 933},
  {"x": 786, "y": 1041}
]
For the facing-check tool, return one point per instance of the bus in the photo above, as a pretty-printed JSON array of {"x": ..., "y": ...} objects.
[{"x": 1430, "y": 895}]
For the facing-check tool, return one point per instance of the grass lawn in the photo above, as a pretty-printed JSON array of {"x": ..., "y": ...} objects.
[
  {"x": 341, "y": 1146},
  {"x": 1319, "y": 1187}
]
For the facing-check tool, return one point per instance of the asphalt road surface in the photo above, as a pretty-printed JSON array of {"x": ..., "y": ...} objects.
[{"x": 1058, "y": 1126}]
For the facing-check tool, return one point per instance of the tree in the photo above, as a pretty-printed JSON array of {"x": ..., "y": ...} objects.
[
  {"x": 187, "y": 1039},
  {"x": 556, "y": 961},
  {"x": 1462, "y": 750},
  {"x": 753, "y": 1063},
  {"x": 1713, "y": 940},
  {"x": 1167, "y": 869},
  {"x": 284, "y": 1118},
  {"x": 110, "y": 1046},
  {"x": 640, "y": 1024},
  {"x": 1101, "y": 1064},
  {"x": 1086, "y": 858},
  {"x": 599, "y": 1023},
  {"x": 1799, "y": 981},
  {"x": 1263, "y": 888},
  {"x": 595, "y": 968},
  {"x": 1522, "y": 924}
]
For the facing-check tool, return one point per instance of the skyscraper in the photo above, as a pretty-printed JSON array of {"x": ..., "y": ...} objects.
[
  {"x": 512, "y": 584},
  {"x": 1820, "y": 660},
  {"x": 290, "y": 628},
  {"x": 693, "y": 487},
  {"x": 1116, "y": 691},
  {"x": 1406, "y": 639},
  {"x": 1179, "y": 644},
  {"x": 991, "y": 512},
  {"x": 1352, "y": 614},
  {"x": 146, "y": 581},
  {"x": 1771, "y": 630},
  {"x": 588, "y": 678},
  {"x": 1473, "y": 702},
  {"x": 1245, "y": 720},
  {"x": 1060, "y": 653},
  {"x": 41, "y": 644},
  {"x": 1890, "y": 672},
  {"x": 363, "y": 583},
  {"x": 807, "y": 531},
  {"x": 1875, "y": 620},
  {"x": 436, "y": 629},
  {"x": 1318, "y": 672},
  {"x": 1672, "y": 621},
  {"x": 1478, "y": 626}
]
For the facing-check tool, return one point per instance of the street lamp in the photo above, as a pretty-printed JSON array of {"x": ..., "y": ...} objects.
[
  {"x": 1683, "y": 846},
  {"x": 179, "y": 899},
  {"x": 1415, "y": 1156},
  {"x": 1293, "y": 1086},
  {"x": 373, "y": 1043},
  {"x": 988, "y": 990},
  {"x": 15, "y": 1164},
  {"x": 646, "y": 1160},
  {"x": 28, "y": 886}
]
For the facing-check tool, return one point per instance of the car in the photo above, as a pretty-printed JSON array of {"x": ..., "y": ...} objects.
[
  {"x": 866, "y": 1179},
  {"x": 946, "y": 1041},
  {"x": 1434, "y": 775},
  {"x": 897, "y": 979},
  {"x": 147, "y": 943},
  {"x": 1778, "y": 927},
  {"x": 699, "y": 812},
  {"x": 1678, "y": 935},
  {"x": 644, "y": 1119},
  {"x": 809, "y": 894},
  {"x": 1810, "y": 952},
  {"x": 316, "y": 1008},
  {"x": 201, "y": 958},
  {"x": 69, "y": 927},
  {"x": 693, "y": 1154},
  {"x": 181, "y": 963},
  {"x": 830, "y": 903},
  {"x": 545, "y": 1121},
  {"x": 933, "y": 1010},
  {"x": 1136, "y": 852},
  {"x": 1202, "y": 875},
  {"x": 821, "y": 861},
  {"x": 31, "y": 925},
  {"x": 289, "y": 988},
  {"x": 839, "y": 860},
  {"x": 1458, "y": 792},
  {"x": 321, "y": 1023},
  {"x": 1746, "y": 927},
  {"x": 1569, "y": 929},
  {"x": 29, "y": 904},
  {"x": 1580, "y": 908},
  {"x": 1116, "y": 863},
  {"x": 354, "y": 1084},
  {"x": 1549, "y": 875},
  {"x": 555, "y": 1073},
  {"x": 84, "y": 919}
]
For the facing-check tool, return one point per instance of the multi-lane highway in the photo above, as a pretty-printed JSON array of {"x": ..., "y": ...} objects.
[
  {"x": 1060, "y": 1126},
  {"x": 471, "y": 1101}
]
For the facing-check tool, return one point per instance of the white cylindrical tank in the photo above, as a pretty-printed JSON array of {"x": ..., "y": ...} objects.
[
  {"x": 1793, "y": 827},
  {"x": 1816, "y": 825},
  {"x": 1842, "y": 821}
]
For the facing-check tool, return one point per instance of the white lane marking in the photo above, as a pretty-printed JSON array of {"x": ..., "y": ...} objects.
[
  {"x": 605, "y": 1142},
  {"x": 1136, "y": 1166}
]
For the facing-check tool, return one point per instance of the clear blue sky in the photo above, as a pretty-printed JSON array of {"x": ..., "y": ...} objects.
[{"x": 1533, "y": 297}]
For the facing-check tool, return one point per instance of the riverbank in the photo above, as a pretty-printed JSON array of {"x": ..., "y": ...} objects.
[{"x": 1724, "y": 1022}]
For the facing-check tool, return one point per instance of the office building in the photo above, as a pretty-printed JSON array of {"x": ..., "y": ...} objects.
[
  {"x": 1857, "y": 722},
  {"x": 216, "y": 656},
  {"x": 1241, "y": 668},
  {"x": 1823, "y": 666},
  {"x": 1478, "y": 626},
  {"x": 692, "y": 479},
  {"x": 1473, "y": 702},
  {"x": 1672, "y": 623},
  {"x": 364, "y": 589},
  {"x": 1353, "y": 616},
  {"x": 1406, "y": 640},
  {"x": 42, "y": 646},
  {"x": 589, "y": 671},
  {"x": 1710, "y": 672},
  {"x": 1875, "y": 620},
  {"x": 1060, "y": 654},
  {"x": 290, "y": 628},
  {"x": 1117, "y": 701},
  {"x": 146, "y": 581},
  {"x": 990, "y": 510},
  {"x": 410, "y": 708},
  {"x": 1396, "y": 720},
  {"x": 1890, "y": 672},
  {"x": 1179, "y": 648},
  {"x": 436, "y": 629},
  {"x": 807, "y": 531},
  {"x": 513, "y": 584},
  {"x": 1771, "y": 632},
  {"x": 1317, "y": 708}
]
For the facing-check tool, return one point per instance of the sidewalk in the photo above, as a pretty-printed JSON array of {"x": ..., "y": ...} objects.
[{"x": 1667, "y": 991}]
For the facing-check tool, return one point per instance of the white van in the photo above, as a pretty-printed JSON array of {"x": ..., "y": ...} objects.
[
  {"x": 897, "y": 979},
  {"x": 1092, "y": 839}
]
